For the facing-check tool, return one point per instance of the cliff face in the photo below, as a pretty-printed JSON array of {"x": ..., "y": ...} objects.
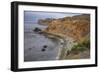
[{"x": 75, "y": 27}]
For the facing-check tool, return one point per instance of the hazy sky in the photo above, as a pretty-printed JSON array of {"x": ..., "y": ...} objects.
[{"x": 33, "y": 16}]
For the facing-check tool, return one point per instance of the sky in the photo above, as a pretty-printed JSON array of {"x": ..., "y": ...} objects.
[{"x": 34, "y": 16}]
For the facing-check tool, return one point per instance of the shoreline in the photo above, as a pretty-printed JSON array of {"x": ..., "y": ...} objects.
[{"x": 64, "y": 49}]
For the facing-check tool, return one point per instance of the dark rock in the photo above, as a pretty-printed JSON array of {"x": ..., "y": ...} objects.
[
  {"x": 43, "y": 49},
  {"x": 30, "y": 48},
  {"x": 45, "y": 46},
  {"x": 37, "y": 29}
]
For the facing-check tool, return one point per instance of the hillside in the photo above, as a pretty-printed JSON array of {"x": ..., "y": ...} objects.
[{"x": 76, "y": 27}]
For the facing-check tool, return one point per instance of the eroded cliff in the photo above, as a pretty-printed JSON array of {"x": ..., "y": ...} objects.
[{"x": 76, "y": 27}]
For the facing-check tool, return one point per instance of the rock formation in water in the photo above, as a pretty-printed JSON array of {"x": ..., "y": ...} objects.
[{"x": 37, "y": 30}]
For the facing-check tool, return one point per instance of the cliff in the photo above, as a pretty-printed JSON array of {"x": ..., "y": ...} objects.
[{"x": 76, "y": 27}]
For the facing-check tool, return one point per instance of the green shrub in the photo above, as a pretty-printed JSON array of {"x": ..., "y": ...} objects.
[{"x": 81, "y": 46}]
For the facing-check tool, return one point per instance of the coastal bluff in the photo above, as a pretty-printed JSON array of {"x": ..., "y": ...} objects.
[{"x": 76, "y": 27}]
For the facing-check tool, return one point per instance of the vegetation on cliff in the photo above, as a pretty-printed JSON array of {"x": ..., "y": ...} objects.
[
  {"x": 82, "y": 46},
  {"x": 80, "y": 51}
]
